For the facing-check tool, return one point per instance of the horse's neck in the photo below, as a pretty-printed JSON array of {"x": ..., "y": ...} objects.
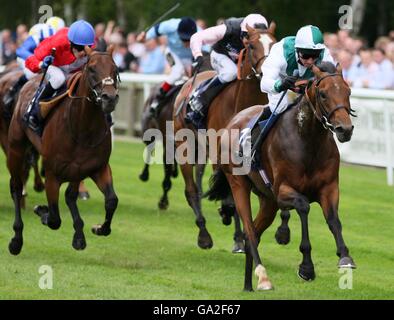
[{"x": 86, "y": 116}]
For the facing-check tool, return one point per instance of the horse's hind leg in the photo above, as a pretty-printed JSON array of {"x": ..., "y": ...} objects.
[
  {"x": 103, "y": 180},
  {"x": 163, "y": 203},
  {"x": 79, "y": 242},
  {"x": 282, "y": 234},
  {"x": 329, "y": 203},
  {"x": 193, "y": 197},
  {"x": 38, "y": 184},
  {"x": 83, "y": 192},
  {"x": 16, "y": 243},
  {"x": 150, "y": 145}
]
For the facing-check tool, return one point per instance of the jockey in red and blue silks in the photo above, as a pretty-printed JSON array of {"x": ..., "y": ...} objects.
[
  {"x": 37, "y": 34},
  {"x": 70, "y": 57}
]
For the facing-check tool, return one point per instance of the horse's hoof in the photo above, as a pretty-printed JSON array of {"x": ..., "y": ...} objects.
[
  {"x": 39, "y": 187},
  {"x": 306, "y": 273},
  {"x": 174, "y": 174},
  {"x": 265, "y": 286},
  {"x": 144, "y": 177},
  {"x": 226, "y": 212},
  {"x": 79, "y": 243},
  {"x": 54, "y": 224},
  {"x": 99, "y": 230},
  {"x": 40, "y": 210},
  {"x": 282, "y": 235},
  {"x": 239, "y": 247},
  {"x": 205, "y": 240},
  {"x": 84, "y": 195},
  {"x": 15, "y": 246},
  {"x": 163, "y": 204},
  {"x": 346, "y": 262}
]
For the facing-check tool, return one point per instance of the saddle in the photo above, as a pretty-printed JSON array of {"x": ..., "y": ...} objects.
[{"x": 47, "y": 106}]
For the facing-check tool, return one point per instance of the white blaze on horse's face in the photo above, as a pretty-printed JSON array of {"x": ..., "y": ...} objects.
[{"x": 266, "y": 41}]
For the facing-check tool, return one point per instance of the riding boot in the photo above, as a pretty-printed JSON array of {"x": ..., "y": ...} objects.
[
  {"x": 34, "y": 116},
  {"x": 9, "y": 97},
  {"x": 200, "y": 103},
  {"x": 157, "y": 101}
]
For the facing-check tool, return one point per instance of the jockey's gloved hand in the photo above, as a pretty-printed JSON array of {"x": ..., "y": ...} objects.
[
  {"x": 47, "y": 62},
  {"x": 198, "y": 63},
  {"x": 286, "y": 83}
]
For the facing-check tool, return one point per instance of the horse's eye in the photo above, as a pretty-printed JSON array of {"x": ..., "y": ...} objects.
[{"x": 323, "y": 95}]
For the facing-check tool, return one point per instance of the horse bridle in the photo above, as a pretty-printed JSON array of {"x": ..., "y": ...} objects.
[{"x": 325, "y": 115}]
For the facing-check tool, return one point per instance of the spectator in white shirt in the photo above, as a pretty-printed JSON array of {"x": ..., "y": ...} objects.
[{"x": 385, "y": 74}]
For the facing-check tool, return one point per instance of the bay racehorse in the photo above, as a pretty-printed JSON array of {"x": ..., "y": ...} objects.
[
  {"x": 238, "y": 95},
  {"x": 6, "y": 81},
  {"x": 301, "y": 159},
  {"x": 159, "y": 121},
  {"x": 75, "y": 144}
]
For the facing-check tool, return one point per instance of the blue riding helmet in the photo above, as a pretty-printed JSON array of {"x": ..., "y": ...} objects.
[
  {"x": 81, "y": 33},
  {"x": 186, "y": 28}
]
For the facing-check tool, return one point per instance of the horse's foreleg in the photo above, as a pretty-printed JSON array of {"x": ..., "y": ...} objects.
[
  {"x": 282, "y": 234},
  {"x": 289, "y": 198},
  {"x": 194, "y": 200},
  {"x": 38, "y": 184},
  {"x": 103, "y": 180},
  {"x": 241, "y": 190},
  {"x": 163, "y": 203},
  {"x": 329, "y": 202},
  {"x": 150, "y": 146},
  {"x": 50, "y": 216},
  {"x": 79, "y": 242},
  {"x": 83, "y": 192}
]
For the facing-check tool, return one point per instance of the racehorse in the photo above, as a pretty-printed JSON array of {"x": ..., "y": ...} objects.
[
  {"x": 301, "y": 159},
  {"x": 75, "y": 144},
  {"x": 6, "y": 81},
  {"x": 238, "y": 95},
  {"x": 159, "y": 121}
]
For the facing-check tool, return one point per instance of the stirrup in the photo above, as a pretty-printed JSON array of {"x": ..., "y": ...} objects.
[{"x": 33, "y": 124}]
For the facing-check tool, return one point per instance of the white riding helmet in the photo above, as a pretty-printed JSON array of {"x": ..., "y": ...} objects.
[
  {"x": 41, "y": 31},
  {"x": 56, "y": 23},
  {"x": 309, "y": 37},
  {"x": 252, "y": 20}
]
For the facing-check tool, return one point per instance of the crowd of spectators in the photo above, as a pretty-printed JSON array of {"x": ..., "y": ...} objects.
[{"x": 363, "y": 66}]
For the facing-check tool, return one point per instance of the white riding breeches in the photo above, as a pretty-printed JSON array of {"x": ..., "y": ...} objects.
[
  {"x": 179, "y": 67},
  {"x": 56, "y": 77},
  {"x": 224, "y": 67},
  {"x": 273, "y": 102}
]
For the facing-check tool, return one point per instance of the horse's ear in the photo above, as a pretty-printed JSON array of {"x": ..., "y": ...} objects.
[
  {"x": 316, "y": 71},
  {"x": 339, "y": 69},
  {"x": 272, "y": 27},
  {"x": 110, "y": 49},
  {"x": 88, "y": 50}
]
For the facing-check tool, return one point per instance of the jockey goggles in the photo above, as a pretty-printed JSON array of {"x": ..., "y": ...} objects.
[{"x": 307, "y": 54}]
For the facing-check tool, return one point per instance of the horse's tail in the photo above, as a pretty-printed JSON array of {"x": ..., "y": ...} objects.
[{"x": 219, "y": 188}]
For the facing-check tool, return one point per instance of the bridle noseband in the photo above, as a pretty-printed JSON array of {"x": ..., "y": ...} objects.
[{"x": 325, "y": 115}]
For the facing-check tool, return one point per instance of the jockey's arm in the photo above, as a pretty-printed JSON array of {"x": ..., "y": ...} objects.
[
  {"x": 27, "y": 48},
  {"x": 206, "y": 37},
  {"x": 273, "y": 66},
  {"x": 163, "y": 28},
  {"x": 33, "y": 63}
]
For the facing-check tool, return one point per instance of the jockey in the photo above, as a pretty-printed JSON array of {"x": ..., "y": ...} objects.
[
  {"x": 37, "y": 34},
  {"x": 70, "y": 57},
  {"x": 228, "y": 40},
  {"x": 289, "y": 60},
  {"x": 178, "y": 53}
]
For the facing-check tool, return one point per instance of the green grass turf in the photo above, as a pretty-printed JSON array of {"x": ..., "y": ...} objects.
[{"x": 153, "y": 254}]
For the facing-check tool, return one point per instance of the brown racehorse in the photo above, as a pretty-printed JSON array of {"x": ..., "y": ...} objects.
[
  {"x": 238, "y": 95},
  {"x": 301, "y": 160},
  {"x": 159, "y": 121},
  {"x": 76, "y": 144},
  {"x": 6, "y": 81}
]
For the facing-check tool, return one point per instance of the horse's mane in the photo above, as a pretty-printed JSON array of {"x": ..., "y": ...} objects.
[{"x": 326, "y": 66}]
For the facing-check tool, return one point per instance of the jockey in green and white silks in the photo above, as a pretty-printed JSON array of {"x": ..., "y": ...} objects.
[{"x": 290, "y": 60}]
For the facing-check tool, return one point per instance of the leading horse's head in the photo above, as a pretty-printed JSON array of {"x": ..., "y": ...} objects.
[
  {"x": 329, "y": 98},
  {"x": 103, "y": 78}
]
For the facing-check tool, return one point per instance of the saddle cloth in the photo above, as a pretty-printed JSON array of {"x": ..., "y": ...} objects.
[{"x": 47, "y": 106}]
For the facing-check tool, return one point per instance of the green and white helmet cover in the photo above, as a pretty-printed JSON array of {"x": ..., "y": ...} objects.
[{"x": 309, "y": 37}]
